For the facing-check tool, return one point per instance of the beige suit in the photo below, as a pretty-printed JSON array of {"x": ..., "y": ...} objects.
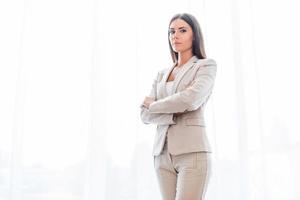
[{"x": 192, "y": 88}]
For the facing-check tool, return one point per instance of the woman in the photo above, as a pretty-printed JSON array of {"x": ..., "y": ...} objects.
[{"x": 182, "y": 153}]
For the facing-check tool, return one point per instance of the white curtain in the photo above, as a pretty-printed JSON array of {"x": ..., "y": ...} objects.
[{"x": 73, "y": 74}]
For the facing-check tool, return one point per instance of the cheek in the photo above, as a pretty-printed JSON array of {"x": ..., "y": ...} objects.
[{"x": 189, "y": 41}]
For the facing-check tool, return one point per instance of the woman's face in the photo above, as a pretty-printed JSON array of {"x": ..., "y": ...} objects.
[{"x": 180, "y": 36}]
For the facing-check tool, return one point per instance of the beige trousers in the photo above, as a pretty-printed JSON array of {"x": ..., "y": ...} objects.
[{"x": 183, "y": 177}]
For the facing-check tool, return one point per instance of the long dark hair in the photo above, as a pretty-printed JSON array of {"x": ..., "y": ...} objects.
[{"x": 198, "y": 45}]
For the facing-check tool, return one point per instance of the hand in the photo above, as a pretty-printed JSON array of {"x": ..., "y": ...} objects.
[{"x": 147, "y": 101}]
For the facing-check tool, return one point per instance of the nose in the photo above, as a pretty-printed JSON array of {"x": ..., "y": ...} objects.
[{"x": 174, "y": 35}]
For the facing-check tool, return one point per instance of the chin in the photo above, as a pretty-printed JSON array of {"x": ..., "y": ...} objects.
[
  {"x": 180, "y": 50},
  {"x": 177, "y": 50}
]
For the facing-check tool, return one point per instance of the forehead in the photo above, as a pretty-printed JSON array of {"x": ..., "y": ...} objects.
[{"x": 178, "y": 23}]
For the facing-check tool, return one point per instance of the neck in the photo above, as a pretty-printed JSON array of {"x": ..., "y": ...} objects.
[{"x": 183, "y": 57}]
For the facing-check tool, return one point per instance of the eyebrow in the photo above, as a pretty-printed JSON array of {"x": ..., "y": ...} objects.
[{"x": 178, "y": 28}]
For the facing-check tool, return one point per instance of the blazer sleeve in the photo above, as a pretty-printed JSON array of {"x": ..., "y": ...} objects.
[
  {"x": 193, "y": 96},
  {"x": 155, "y": 118}
]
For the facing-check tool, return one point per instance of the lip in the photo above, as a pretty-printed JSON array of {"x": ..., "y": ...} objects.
[{"x": 176, "y": 43}]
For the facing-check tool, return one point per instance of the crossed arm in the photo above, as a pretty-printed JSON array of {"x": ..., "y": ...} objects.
[
  {"x": 162, "y": 111},
  {"x": 154, "y": 118}
]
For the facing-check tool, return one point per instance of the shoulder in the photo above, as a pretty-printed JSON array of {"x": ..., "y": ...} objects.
[
  {"x": 161, "y": 73},
  {"x": 206, "y": 62},
  {"x": 206, "y": 66}
]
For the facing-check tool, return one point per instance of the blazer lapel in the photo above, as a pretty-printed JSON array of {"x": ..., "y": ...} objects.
[
  {"x": 178, "y": 77},
  {"x": 166, "y": 75},
  {"x": 163, "y": 82},
  {"x": 181, "y": 73}
]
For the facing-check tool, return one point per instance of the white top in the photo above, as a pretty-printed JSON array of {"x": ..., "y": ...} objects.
[{"x": 169, "y": 86}]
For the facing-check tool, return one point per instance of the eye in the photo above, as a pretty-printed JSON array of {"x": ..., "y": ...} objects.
[
  {"x": 182, "y": 31},
  {"x": 171, "y": 32}
]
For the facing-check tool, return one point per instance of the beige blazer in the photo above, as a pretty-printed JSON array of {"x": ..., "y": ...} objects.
[{"x": 191, "y": 89}]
